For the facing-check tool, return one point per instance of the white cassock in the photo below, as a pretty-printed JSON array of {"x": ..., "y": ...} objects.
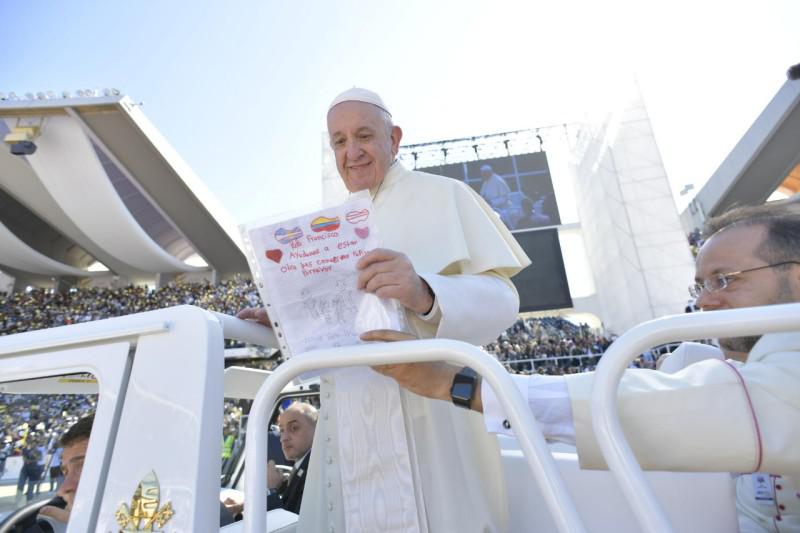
[
  {"x": 767, "y": 502},
  {"x": 388, "y": 460},
  {"x": 710, "y": 416}
]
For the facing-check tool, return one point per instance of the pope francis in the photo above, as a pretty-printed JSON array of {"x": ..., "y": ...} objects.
[{"x": 385, "y": 459}]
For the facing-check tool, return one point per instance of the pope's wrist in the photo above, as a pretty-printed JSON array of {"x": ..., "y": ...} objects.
[
  {"x": 477, "y": 402},
  {"x": 445, "y": 393}
]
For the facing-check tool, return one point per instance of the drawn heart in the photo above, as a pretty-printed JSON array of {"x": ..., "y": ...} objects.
[
  {"x": 362, "y": 232},
  {"x": 354, "y": 217},
  {"x": 274, "y": 255}
]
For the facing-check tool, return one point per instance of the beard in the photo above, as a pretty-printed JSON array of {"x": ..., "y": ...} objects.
[
  {"x": 739, "y": 344},
  {"x": 783, "y": 295}
]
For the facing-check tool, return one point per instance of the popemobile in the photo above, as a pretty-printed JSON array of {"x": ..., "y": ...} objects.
[{"x": 153, "y": 460}]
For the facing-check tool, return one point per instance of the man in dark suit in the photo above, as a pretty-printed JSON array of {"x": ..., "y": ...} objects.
[{"x": 297, "y": 424}]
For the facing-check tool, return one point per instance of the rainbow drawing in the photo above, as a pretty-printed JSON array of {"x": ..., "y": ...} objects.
[
  {"x": 325, "y": 224},
  {"x": 285, "y": 236}
]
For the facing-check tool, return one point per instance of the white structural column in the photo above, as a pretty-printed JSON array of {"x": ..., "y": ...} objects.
[
  {"x": 68, "y": 166},
  {"x": 637, "y": 250},
  {"x": 17, "y": 254}
]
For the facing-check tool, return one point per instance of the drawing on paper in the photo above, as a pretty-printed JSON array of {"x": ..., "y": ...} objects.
[
  {"x": 359, "y": 215},
  {"x": 308, "y": 282},
  {"x": 285, "y": 236},
  {"x": 343, "y": 305},
  {"x": 274, "y": 255},
  {"x": 324, "y": 224},
  {"x": 335, "y": 309}
]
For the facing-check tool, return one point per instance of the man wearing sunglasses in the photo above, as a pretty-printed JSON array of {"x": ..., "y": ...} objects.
[{"x": 739, "y": 415}]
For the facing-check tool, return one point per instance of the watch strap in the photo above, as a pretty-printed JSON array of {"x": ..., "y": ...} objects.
[{"x": 465, "y": 384}]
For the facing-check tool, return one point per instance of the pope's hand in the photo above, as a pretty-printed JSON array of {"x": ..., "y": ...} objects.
[
  {"x": 432, "y": 380},
  {"x": 256, "y": 314},
  {"x": 390, "y": 274}
]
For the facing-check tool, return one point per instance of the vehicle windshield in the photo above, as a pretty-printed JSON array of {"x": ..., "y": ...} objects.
[
  {"x": 235, "y": 435},
  {"x": 31, "y": 427}
]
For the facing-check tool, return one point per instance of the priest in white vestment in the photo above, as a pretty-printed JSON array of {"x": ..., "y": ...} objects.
[
  {"x": 383, "y": 459},
  {"x": 761, "y": 497}
]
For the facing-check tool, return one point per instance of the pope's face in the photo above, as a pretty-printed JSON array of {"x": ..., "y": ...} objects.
[
  {"x": 734, "y": 249},
  {"x": 364, "y": 144}
]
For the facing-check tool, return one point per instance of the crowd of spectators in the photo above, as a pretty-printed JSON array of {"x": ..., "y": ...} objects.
[
  {"x": 31, "y": 424},
  {"x": 550, "y": 345},
  {"x": 39, "y": 309}
]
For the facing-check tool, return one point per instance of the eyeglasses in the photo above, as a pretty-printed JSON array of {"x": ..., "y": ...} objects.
[{"x": 719, "y": 282}]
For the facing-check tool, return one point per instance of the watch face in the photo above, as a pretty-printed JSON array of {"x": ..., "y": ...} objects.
[{"x": 462, "y": 390}]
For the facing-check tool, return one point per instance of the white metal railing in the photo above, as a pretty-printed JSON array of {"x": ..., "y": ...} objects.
[
  {"x": 605, "y": 419},
  {"x": 246, "y": 331},
  {"x": 84, "y": 333},
  {"x": 527, "y": 430}
]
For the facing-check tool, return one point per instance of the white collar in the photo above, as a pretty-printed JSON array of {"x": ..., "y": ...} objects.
[
  {"x": 774, "y": 342},
  {"x": 300, "y": 461},
  {"x": 394, "y": 170}
]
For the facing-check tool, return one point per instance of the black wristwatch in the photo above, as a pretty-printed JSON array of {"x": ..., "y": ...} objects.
[{"x": 465, "y": 383}]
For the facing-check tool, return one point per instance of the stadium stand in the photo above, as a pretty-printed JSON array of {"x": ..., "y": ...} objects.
[
  {"x": 38, "y": 309},
  {"x": 549, "y": 345}
]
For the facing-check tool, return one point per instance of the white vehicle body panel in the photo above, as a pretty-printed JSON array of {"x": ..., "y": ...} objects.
[
  {"x": 109, "y": 363},
  {"x": 161, "y": 384}
]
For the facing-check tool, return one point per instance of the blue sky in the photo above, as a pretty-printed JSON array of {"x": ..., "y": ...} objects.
[{"x": 240, "y": 89}]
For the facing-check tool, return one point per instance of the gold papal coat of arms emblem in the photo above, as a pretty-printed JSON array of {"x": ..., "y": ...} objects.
[{"x": 144, "y": 514}]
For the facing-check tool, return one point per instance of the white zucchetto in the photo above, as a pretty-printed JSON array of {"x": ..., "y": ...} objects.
[{"x": 357, "y": 94}]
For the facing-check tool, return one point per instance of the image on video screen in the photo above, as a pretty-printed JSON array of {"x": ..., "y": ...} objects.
[{"x": 518, "y": 187}]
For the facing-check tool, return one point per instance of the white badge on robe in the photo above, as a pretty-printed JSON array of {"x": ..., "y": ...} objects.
[{"x": 762, "y": 487}]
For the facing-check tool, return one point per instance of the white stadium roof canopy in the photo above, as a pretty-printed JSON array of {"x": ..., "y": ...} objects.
[
  {"x": 104, "y": 185},
  {"x": 766, "y": 158}
]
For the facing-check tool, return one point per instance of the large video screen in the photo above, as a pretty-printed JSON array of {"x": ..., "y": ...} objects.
[
  {"x": 543, "y": 285},
  {"x": 518, "y": 187}
]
